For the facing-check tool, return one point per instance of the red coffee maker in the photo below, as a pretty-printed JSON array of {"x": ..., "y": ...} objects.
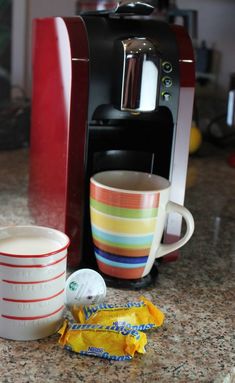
[{"x": 111, "y": 90}]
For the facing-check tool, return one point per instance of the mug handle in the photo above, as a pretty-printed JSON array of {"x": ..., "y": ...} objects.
[{"x": 171, "y": 207}]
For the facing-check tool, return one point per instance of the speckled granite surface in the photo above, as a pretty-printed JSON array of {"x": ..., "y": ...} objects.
[{"x": 196, "y": 293}]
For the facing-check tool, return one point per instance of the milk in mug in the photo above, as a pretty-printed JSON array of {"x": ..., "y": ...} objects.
[{"x": 28, "y": 245}]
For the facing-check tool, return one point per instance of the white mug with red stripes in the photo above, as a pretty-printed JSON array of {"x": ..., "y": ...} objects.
[
  {"x": 128, "y": 212},
  {"x": 32, "y": 281}
]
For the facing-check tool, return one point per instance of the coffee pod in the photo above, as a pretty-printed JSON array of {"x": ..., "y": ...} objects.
[{"x": 84, "y": 287}]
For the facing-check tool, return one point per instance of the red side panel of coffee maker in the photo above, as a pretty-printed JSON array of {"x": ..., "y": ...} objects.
[{"x": 58, "y": 125}]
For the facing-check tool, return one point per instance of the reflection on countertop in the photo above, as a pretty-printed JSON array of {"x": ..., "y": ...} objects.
[{"x": 196, "y": 293}]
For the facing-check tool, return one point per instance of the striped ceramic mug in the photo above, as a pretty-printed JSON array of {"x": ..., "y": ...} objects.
[{"x": 128, "y": 211}]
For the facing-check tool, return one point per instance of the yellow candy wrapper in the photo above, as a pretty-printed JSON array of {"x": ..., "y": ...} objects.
[
  {"x": 108, "y": 342},
  {"x": 141, "y": 315}
]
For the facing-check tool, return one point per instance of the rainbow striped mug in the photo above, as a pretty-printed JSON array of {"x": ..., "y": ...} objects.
[{"x": 128, "y": 211}]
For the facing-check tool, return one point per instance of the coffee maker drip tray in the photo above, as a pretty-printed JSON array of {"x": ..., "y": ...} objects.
[{"x": 132, "y": 284}]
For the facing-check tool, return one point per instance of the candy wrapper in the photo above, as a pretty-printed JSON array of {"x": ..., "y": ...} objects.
[
  {"x": 141, "y": 315},
  {"x": 109, "y": 342}
]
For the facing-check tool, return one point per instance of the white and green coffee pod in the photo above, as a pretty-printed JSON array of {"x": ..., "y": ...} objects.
[{"x": 84, "y": 287}]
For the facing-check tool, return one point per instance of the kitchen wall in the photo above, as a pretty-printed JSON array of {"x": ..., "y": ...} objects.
[
  {"x": 215, "y": 25},
  {"x": 24, "y": 11}
]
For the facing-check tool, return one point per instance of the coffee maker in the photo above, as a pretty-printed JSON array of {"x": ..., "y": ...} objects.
[{"x": 111, "y": 90}]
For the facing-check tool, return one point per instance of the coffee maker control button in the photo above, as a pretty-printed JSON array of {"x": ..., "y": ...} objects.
[
  {"x": 167, "y": 81},
  {"x": 166, "y": 96},
  {"x": 167, "y": 67}
]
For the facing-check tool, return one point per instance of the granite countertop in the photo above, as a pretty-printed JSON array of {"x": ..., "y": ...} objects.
[{"x": 196, "y": 293}]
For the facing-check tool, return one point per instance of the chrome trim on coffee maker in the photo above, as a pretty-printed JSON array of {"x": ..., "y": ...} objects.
[{"x": 140, "y": 75}]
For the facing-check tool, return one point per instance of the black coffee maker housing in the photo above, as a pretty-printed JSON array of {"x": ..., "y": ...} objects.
[{"x": 110, "y": 91}]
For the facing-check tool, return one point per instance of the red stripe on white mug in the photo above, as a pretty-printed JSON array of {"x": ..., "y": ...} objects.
[
  {"x": 33, "y": 282},
  {"x": 33, "y": 300},
  {"x": 35, "y": 317},
  {"x": 35, "y": 255},
  {"x": 32, "y": 266}
]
